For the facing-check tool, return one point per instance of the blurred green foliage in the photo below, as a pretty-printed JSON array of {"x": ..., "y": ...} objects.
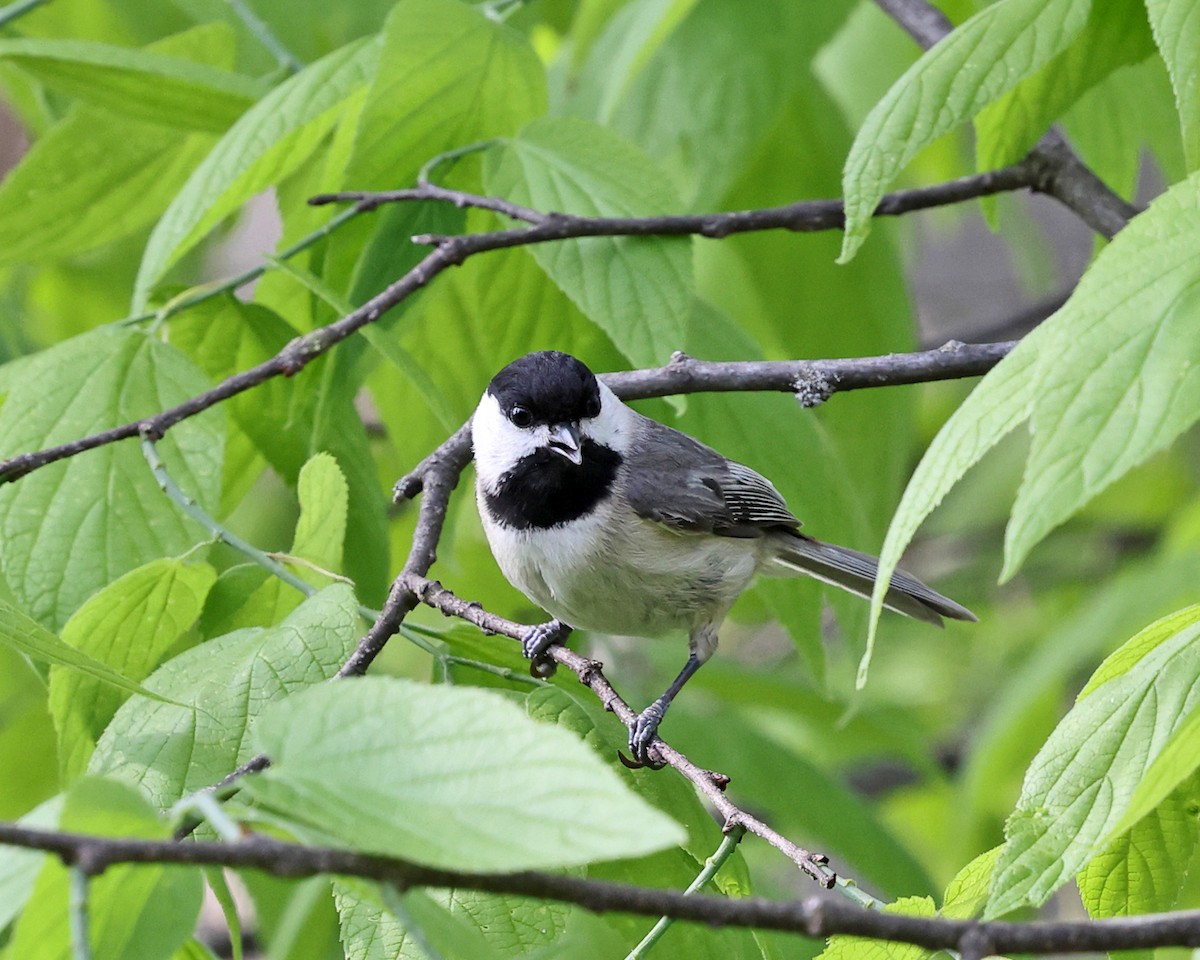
[{"x": 158, "y": 130}]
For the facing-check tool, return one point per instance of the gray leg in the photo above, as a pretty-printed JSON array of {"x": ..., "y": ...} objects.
[{"x": 645, "y": 728}]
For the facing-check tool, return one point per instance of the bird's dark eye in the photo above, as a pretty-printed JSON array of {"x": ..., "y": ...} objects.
[
  {"x": 520, "y": 415},
  {"x": 593, "y": 408}
]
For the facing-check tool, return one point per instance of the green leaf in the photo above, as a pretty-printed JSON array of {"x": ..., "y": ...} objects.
[
  {"x": 968, "y": 891},
  {"x": 1133, "y": 106},
  {"x": 269, "y": 141},
  {"x": 448, "y": 76},
  {"x": 1082, "y": 781},
  {"x": 343, "y": 758},
  {"x": 30, "y": 638},
  {"x": 842, "y": 947},
  {"x": 127, "y": 626},
  {"x": 1176, "y": 26},
  {"x": 650, "y": 76},
  {"x": 449, "y": 920},
  {"x": 170, "y": 751},
  {"x": 1116, "y": 34},
  {"x": 224, "y": 336},
  {"x": 19, "y": 868},
  {"x": 1133, "y": 651},
  {"x": 321, "y": 528},
  {"x": 1143, "y": 870},
  {"x": 637, "y": 290},
  {"x": 1177, "y": 762},
  {"x": 1125, "y": 380},
  {"x": 93, "y": 177},
  {"x": 978, "y": 62},
  {"x": 136, "y": 911},
  {"x": 318, "y": 544},
  {"x": 62, "y": 537},
  {"x": 999, "y": 404},
  {"x": 141, "y": 84},
  {"x": 292, "y": 418},
  {"x": 91, "y": 180}
]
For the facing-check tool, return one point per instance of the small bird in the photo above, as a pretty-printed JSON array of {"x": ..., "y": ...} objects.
[{"x": 616, "y": 523}]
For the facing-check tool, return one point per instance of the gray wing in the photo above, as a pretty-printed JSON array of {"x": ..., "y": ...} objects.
[{"x": 679, "y": 482}]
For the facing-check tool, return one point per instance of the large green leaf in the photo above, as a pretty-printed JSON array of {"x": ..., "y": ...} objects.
[
  {"x": 316, "y": 546},
  {"x": 636, "y": 289},
  {"x": 1027, "y": 703},
  {"x": 977, "y": 63},
  {"x": 497, "y": 926},
  {"x": 141, "y": 84},
  {"x": 136, "y": 911},
  {"x": 27, "y": 741},
  {"x": 998, "y": 405},
  {"x": 169, "y": 751},
  {"x": 30, "y": 639},
  {"x": 1116, "y": 34},
  {"x": 291, "y": 419},
  {"x": 448, "y": 76},
  {"x": 650, "y": 78},
  {"x": 19, "y": 868},
  {"x": 127, "y": 626},
  {"x": 1125, "y": 376},
  {"x": 64, "y": 530},
  {"x": 1143, "y": 870},
  {"x": 95, "y": 176},
  {"x": 269, "y": 141},
  {"x": 90, "y": 180},
  {"x": 843, "y": 947},
  {"x": 1108, "y": 380},
  {"x": 467, "y": 768},
  {"x": 1176, "y": 26},
  {"x": 1082, "y": 782}
]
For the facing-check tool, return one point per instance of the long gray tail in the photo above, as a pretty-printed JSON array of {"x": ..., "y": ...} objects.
[{"x": 854, "y": 571}]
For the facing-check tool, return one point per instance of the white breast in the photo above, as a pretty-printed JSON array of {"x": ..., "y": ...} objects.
[{"x": 617, "y": 573}]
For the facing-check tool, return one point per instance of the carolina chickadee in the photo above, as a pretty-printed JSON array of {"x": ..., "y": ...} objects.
[{"x": 616, "y": 523}]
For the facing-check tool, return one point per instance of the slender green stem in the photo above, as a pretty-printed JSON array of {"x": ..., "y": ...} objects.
[
  {"x": 219, "y": 533},
  {"x": 78, "y": 911},
  {"x": 13, "y": 10},
  {"x": 266, "y": 36},
  {"x": 206, "y": 806},
  {"x": 224, "y": 896},
  {"x": 198, "y": 294},
  {"x": 714, "y": 863},
  {"x": 189, "y": 506},
  {"x": 847, "y": 887},
  {"x": 506, "y": 673},
  {"x": 427, "y": 168}
]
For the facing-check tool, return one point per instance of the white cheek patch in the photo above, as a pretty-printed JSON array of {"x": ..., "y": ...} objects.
[
  {"x": 612, "y": 427},
  {"x": 498, "y": 443}
]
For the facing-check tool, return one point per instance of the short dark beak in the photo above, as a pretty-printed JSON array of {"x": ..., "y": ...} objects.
[{"x": 564, "y": 440}]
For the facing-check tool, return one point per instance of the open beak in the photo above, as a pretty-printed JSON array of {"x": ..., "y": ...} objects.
[{"x": 564, "y": 440}]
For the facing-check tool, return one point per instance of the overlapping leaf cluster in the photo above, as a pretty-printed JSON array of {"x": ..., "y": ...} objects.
[{"x": 142, "y": 662}]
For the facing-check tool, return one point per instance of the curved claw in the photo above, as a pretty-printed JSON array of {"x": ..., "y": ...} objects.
[
  {"x": 536, "y": 644},
  {"x": 635, "y": 765}
]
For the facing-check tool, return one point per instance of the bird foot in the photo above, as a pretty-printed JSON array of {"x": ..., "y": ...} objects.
[
  {"x": 536, "y": 645},
  {"x": 642, "y": 735}
]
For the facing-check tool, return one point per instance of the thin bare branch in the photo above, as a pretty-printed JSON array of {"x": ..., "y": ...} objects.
[
  {"x": 590, "y": 673},
  {"x": 1057, "y": 170},
  {"x": 816, "y": 916},
  {"x": 803, "y": 216},
  {"x": 811, "y": 381}
]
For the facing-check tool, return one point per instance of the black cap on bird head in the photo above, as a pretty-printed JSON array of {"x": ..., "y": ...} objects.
[{"x": 553, "y": 387}]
